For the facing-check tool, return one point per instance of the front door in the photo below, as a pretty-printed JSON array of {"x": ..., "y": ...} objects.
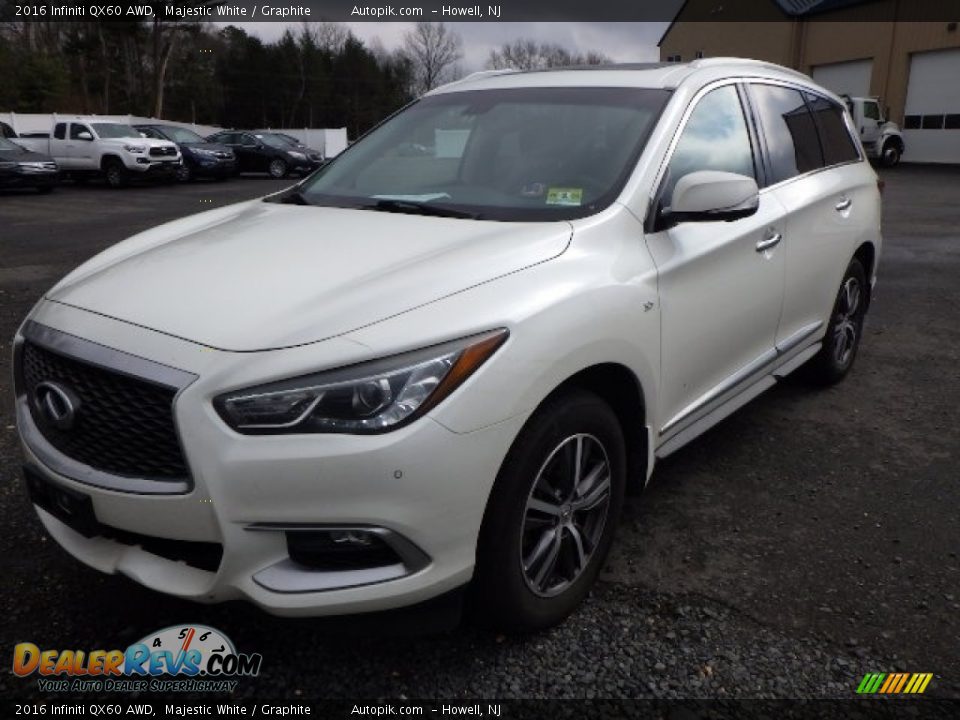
[{"x": 720, "y": 283}]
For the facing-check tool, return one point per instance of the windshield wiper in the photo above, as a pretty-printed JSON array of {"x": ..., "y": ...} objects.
[
  {"x": 294, "y": 197},
  {"x": 412, "y": 207}
]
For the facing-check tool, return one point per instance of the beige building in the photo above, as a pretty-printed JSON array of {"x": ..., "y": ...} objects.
[{"x": 858, "y": 49}]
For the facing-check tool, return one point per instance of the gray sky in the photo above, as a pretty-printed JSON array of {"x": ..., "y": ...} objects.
[{"x": 623, "y": 42}]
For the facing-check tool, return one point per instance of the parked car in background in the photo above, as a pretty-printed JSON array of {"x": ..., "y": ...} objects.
[
  {"x": 315, "y": 155},
  {"x": 201, "y": 158},
  {"x": 85, "y": 147},
  {"x": 881, "y": 138},
  {"x": 264, "y": 152},
  {"x": 20, "y": 167},
  {"x": 411, "y": 374}
]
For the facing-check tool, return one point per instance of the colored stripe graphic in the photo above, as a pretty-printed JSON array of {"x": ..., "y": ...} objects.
[{"x": 894, "y": 683}]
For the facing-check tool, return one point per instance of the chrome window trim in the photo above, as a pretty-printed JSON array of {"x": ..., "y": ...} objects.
[{"x": 107, "y": 358}]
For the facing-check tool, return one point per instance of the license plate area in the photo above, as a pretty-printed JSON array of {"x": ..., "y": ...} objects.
[{"x": 73, "y": 509}]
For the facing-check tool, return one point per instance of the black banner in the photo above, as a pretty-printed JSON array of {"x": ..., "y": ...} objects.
[
  {"x": 233, "y": 11},
  {"x": 920, "y": 709}
]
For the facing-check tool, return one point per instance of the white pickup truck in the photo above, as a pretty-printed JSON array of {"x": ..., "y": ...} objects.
[
  {"x": 93, "y": 146},
  {"x": 882, "y": 139}
]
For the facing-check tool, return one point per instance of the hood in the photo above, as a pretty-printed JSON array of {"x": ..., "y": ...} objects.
[
  {"x": 260, "y": 276},
  {"x": 148, "y": 142},
  {"x": 212, "y": 146}
]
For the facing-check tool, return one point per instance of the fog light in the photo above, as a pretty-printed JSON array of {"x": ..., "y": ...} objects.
[
  {"x": 143, "y": 161},
  {"x": 339, "y": 549},
  {"x": 357, "y": 538}
]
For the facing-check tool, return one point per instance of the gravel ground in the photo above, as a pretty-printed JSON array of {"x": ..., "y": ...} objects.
[{"x": 807, "y": 540}]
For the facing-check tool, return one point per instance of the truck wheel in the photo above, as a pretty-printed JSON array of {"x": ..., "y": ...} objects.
[
  {"x": 278, "y": 169},
  {"x": 116, "y": 174},
  {"x": 890, "y": 154}
]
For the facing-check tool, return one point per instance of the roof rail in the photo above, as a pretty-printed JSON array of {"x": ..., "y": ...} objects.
[{"x": 718, "y": 61}]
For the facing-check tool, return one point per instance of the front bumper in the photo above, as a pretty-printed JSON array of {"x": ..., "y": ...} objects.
[
  {"x": 422, "y": 483},
  {"x": 30, "y": 178},
  {"x": 155, "y": 168}
]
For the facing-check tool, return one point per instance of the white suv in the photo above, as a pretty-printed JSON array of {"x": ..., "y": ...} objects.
[{"x": 440, "y": 362}]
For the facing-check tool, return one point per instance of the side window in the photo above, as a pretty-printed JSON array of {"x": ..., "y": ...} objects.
[
  {"x": 76, "y": 129},
  {"x": 150, "y": 133},
  {"x": 248, "y": 140},
  {"x": 60, "y": 131},
  {"x": 792, "y": 143},
  {"x": 871, "y": 110},
  {"x": 838, "y": 146},
  {"x": 714, "y": 138}
]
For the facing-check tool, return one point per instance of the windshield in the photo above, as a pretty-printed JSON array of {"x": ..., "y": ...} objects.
[
  {"x": 510, "y": 154},
  {"x": 7, "y": 146},
  {"x": 181, "y": 135},
  {"x": 114, "y": 130}
]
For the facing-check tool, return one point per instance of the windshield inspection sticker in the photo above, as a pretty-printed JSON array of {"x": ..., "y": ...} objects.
[{"x": 564, "y": 196}]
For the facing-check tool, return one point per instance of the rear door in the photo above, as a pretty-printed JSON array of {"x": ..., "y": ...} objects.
[
  {"x": 829, "y": 194},
  {"x": 720, "y": 283}
]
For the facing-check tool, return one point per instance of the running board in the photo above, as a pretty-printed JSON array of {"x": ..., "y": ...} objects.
[
  {"x": 703, "y": 424},
  {"x": 715, "y": 416}
]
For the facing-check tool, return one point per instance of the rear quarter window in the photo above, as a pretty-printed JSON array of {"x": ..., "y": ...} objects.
[
  {"x": 838, "y": 146},
  {"x": 788, "y": 127}
]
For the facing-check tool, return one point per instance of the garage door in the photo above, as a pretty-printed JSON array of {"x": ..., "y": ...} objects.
[
  {"x": 932, "y": 116},
  {"x": 845, "y": 78}
]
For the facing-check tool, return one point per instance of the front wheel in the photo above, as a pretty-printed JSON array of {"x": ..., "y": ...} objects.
[
  {"x": 890, "y": 155},
  {"x": 552, "y": 515},
  {"x": 842, "y": 340},
  {"x": 278, "y": 169},
  {"x": 116, "y": 174},
  {"x": 184, "y": 174}
]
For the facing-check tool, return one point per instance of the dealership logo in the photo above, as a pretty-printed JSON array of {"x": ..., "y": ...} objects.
[
  {"x": 56, "y": 404},
  {"x": 189, "y": 651},
  {"x": 894, "y": 683}
]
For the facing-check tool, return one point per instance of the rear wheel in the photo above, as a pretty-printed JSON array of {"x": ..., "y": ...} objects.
[
  {"x": 842, "y": 339},
  {"x": 551, "y": 516}
]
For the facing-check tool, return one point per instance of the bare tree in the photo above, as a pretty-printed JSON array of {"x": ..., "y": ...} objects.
[
  {"x": 433, "y": 51},
  {"x": 526, "y": 54}
]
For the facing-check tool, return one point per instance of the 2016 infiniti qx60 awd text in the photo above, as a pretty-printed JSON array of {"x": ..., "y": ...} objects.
[{"x": 441, "y": 360}]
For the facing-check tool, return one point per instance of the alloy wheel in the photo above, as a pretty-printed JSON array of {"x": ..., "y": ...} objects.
[
  {"x": 278, "y": 168},
  {"x": 846, "y": 326},
  {"x": 565, "y": 515}
]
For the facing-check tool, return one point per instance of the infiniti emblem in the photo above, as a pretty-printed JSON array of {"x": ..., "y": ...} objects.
[{"x": 57, "y": 404}]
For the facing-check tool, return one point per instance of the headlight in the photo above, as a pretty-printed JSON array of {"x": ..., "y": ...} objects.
[
  {"x": 370, "y": 397},
  {"x": 204, "y": 152},
  {"x": 135, "y": 149},
  {"x": 297, "y": 155}
]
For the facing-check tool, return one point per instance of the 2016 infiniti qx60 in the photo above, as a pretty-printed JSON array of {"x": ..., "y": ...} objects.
[{"x": 440, "y": 361}]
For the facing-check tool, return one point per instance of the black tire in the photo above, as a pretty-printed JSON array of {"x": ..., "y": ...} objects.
[
  {"x": 115, "y": 174},
  {"x": 184, "y": 173},
  {"x": 842, "y": 339},
  {"x": 278, "y": 168},
  {"x": 890, "y": 154},
  {"x": 505, "y": 593}
]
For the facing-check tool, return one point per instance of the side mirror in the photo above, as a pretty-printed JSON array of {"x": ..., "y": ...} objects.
[
  {"x": 711, "y": 196},
  {"x": 84, "y": 135}
]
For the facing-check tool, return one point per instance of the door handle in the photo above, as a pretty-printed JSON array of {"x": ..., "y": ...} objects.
[
  {"x": 843, "y": 204},
  {"x": 769, "y": 241}
]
